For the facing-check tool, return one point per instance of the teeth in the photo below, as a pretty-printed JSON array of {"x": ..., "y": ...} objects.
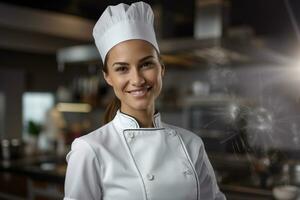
[{"x": 138, "y": 92}]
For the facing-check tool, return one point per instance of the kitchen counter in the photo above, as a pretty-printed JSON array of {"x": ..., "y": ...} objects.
[
  {"x": 234, "y": 192},
  {"x": 51, "y": 169},
  {"x": 234, "y": 174},
  {"x": 40, "y": 176},
  {"x": 42, "y": 167}
]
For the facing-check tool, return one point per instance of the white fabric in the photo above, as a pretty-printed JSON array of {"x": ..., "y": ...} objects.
[
  {"x": 122, "y": 161},
  {"x": 123, "y": 22}
]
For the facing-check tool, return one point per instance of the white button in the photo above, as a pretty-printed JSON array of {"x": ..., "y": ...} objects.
[
  {"x": 171, "y": 132},
  {"x": 150, "y": 177},
  {"x": 130, "y": 135}
]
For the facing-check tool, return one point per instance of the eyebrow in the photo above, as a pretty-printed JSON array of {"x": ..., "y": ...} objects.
[
  {"x": 120, "y": 63},
  {"x": 146, "y": 58},
  {"x": 141, "y": 60}
]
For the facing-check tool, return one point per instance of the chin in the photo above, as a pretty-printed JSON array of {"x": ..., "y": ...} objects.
[
  {"x": 139, "y": 104},
  {"x": 141, "y": 107}
]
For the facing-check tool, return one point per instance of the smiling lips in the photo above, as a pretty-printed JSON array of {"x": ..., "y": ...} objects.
[{"x": 139, "y": 92}]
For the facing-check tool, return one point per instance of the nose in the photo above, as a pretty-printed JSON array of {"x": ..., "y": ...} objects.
[{"x": 137, "y": 78}]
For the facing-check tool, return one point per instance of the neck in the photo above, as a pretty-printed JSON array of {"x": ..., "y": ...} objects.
[{"x": 144, "y": 117}]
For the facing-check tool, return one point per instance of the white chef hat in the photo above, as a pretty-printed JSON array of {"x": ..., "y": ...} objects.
[{"x": 124, "y": 22}]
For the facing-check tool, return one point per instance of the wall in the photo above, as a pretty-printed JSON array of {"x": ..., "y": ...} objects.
[{"x": 12, "y": 87}]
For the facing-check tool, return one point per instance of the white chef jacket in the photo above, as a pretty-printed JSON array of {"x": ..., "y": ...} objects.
[{"x": 121, "y": 161}]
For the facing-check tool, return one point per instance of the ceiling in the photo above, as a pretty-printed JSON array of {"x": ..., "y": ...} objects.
[
  {"x": 265, "y": 16},
  {"x": 85, "y": 8}
]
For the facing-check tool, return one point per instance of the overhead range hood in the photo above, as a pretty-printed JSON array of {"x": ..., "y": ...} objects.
[{"x": 213, "y": 42}]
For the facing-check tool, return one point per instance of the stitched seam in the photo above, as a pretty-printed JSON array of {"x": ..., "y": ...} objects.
[
  {"x": 193, "y": 168},
  {"x": 142, "y": 180},
  {"x": 131, "y": 118},
  {"x": 155, "y": 117},
  {"x": 144, "y": 129},
  {"x": 209, "y": 175},
  {"x": 100, "y": 166}
]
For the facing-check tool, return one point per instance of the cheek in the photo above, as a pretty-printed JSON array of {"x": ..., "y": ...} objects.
[
  {"x": 159, "y": 83},
  {"x": 119, "y": 84},
  {"x": 155, "y": 78}
]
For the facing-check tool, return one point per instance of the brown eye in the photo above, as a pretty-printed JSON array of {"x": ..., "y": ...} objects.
[
  {"x": 121, "y": 69},
  {"x": 147, "y": 64}
]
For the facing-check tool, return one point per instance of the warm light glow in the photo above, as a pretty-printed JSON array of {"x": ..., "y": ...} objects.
[{"x": 74, "y": 107}]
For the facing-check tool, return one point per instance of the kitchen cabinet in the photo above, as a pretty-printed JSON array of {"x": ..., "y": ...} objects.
[
  {"x": 11, "y": 87},
  {"x": 13, "y": 186},
  {"x": 35, "y": 178}
]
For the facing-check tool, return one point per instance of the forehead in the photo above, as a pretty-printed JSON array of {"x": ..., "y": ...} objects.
[{"x": 131, "y": 50}]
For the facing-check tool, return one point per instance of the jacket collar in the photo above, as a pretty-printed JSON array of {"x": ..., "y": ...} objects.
[{"x": 123, "y": 121}]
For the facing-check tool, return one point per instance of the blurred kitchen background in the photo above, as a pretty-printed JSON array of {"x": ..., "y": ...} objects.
[{"x": 233, "y": 77}]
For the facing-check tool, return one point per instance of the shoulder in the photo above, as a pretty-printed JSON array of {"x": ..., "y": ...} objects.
[
  {"x": 97, "y": 136},
  {"x": 90, "y": 143}
]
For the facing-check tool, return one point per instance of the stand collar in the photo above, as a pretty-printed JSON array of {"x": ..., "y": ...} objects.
[{"x": 124, "y": 121}]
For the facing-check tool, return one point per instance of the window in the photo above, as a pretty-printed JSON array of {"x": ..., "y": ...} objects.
[{"x": 35, "y": 107}]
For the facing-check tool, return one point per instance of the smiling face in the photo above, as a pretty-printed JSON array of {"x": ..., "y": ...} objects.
[{"x": 135, "y": 73}]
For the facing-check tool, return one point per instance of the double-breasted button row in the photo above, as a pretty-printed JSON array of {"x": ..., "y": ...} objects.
[{"x": 151, "y": 177}]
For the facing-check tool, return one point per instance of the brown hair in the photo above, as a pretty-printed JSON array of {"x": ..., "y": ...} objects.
[
  {"x": 111, "y": 110},
  {"x": 115, "y": 104}
]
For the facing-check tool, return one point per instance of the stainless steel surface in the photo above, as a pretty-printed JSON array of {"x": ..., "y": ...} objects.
[
  {"x": 209, "y": 14},
  {"x": 213, "y": 42},
  {"x": 79, "y": 53},
  {"x": 89, "y": 52},
  {"x": 190, "y": 53},
  {"x": 294, "y": 173}
]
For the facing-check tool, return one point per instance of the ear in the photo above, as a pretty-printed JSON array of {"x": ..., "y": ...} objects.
[
  {"x": 163, "y": 68},
  {"x": 107, "y": 78}
]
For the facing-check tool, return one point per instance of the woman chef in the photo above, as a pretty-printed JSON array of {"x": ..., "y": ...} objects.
[{"x": 136, "y": 156}]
